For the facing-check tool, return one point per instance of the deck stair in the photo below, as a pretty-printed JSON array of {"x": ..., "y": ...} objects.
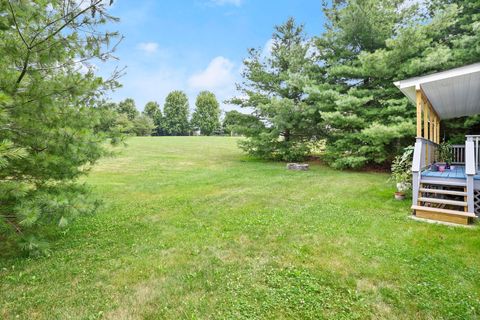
[
  {"x": 441, "y": 191},
  {"x": 443, "y": 201}
]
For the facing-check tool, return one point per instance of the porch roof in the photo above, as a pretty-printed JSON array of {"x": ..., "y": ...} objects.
[{"x": 453, "y": 93}]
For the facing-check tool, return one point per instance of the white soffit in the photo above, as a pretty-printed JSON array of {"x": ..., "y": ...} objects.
[{"x": 453, "y": 93}]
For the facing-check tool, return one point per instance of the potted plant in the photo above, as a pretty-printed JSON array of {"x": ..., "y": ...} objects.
[
  {"x": 444, "y": 155},
  {"x": 401, "y": 172}
]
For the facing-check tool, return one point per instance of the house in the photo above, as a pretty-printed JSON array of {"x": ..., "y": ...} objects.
[{"x": 453, "y": 195}]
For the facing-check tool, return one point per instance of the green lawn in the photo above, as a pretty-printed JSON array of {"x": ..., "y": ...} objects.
[{"x": 194, "y": 229}]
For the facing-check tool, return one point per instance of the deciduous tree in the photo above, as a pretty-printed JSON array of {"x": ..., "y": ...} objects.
[
  {"x": 176, "y": 112},
  {"x": 152, "y": 110},
  {"x": 143, "y": 125},
  {"x": 206, "y": 116},
  {"x": 128, "y": 108}
]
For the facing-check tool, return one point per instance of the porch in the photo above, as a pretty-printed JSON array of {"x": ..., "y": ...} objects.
[
  {"x": 456, "y": 172},
  {"x": 457, "y": 169},
  {"x": 454, "y": 194}
]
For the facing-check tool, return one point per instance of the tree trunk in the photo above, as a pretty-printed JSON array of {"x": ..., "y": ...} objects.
[{"x": 286, "y": 135}]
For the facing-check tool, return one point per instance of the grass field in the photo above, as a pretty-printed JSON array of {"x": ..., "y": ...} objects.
[{"x": 193, "y": 229}]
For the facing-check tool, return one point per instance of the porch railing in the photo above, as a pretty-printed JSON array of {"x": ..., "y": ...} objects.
[
  {"x": 475, "y": 140},
  {"x": 426, "y": 153},
  {"x": 423, "y": 155},
  {"x": 458, "y": 151}
]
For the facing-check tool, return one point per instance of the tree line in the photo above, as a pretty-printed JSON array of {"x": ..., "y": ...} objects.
[
  {"x": 175, "y": 119},
  {"x": 335, "y": 90}
]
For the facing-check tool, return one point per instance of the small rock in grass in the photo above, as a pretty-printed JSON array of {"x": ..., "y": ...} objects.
[{"x": 297, "y": 166}]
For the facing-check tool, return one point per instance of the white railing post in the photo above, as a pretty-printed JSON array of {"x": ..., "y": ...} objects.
[
  {"x": 470, "y": 171},
  {"x": 418, "y": 158},
  {"x": 475, "y": 139}
]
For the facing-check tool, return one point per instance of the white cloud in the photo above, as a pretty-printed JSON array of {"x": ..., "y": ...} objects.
[
  {"x": 148, "y": 47},
  {"x": 268, "y": 48},
  {"x": 236, "y": 3},
  {"x": 217, "y": 75}
]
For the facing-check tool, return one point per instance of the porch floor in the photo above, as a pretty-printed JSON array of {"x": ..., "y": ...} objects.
[{"x": 458, "y": 172}]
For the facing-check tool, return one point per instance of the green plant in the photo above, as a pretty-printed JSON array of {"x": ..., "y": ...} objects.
[
  {"x": 445, "y": 152},
  {"x": 53, "y": 121},
  {"x": 401, "y": 169}
]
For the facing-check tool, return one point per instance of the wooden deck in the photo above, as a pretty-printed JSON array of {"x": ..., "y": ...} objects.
[{"x": 457, "y": 172}]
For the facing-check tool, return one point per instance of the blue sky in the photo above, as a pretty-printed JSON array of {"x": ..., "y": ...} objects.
[{"x": 195, "y": 45}]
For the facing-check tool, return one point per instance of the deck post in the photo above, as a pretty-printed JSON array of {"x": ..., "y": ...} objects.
[
  {"x": 438, "y": 131},
  {"x": 419, "y": 112},
  {"x": 431, "y": 122},
  {"x": 470, "y": 171},
  {"x": 416, "y": 170},
  {"x": 425, "y": 121},
  {"x": 426, "y": 132},
  {"x": 434, "y": 128}
]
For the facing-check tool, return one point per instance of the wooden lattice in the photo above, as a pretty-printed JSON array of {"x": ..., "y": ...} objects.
[{"x": 476, "y": 197}]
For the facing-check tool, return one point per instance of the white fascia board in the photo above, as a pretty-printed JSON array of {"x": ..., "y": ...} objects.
[{"x": 457, "y": 72}]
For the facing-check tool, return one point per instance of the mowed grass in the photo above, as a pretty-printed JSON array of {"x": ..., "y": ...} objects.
[{"x": 193, "y": 229}]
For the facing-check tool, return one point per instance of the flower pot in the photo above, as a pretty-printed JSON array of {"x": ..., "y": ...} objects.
[
  {"x": 399, "y": 196},
  {"x": 447, "y": 166},
  {"x": 441, "y": 168},
  {"x": 434, "y": 168}
]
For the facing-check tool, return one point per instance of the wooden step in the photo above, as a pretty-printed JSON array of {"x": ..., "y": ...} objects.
[
  {"x": 441, "y": 191},
  {"x": 445, "y": 183},
  {"x": 445, "y": 215},
  {"x": 443, "y": 201}
]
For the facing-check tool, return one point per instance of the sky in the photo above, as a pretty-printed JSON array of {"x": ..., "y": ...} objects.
[{"x": 195, "y": 45}]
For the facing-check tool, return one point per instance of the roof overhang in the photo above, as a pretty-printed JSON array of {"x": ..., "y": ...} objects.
[{"x": 453, "y": 93}]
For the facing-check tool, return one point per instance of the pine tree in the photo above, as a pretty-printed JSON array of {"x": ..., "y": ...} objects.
[
  {"x": 367, "y": 119},
  {"x": 274, "y": 89},
  {"x": 462, "y": 37},
  {"x": 236, "y": 122},
  {"x": 206, "y": 116},
  {"x": 50, "y": 116}
]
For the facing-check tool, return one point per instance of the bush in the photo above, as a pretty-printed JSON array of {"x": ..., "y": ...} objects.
[
  {"x": 143, "y": 125},
  {"x": 402, "y": 168}
]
